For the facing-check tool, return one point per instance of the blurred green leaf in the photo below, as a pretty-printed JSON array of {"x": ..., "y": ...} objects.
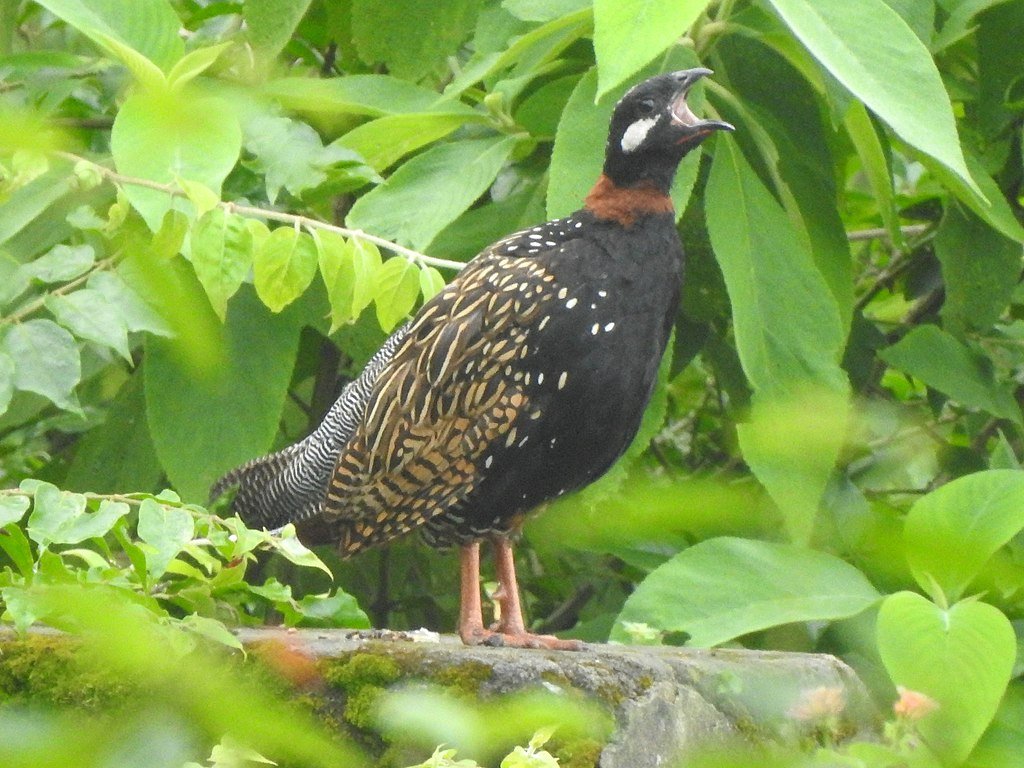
[
  {"x": 59, "y": 517},
  {"x": 12, "y": 509},
  {"x": 428, "y": 192},
  {"x": 61, "y": 263},
  {"x": 194, "y": 63},
  {"x": 161, "y": 137},
  {"x": 959, "y": 656},
  {"x": 723, "y": 588},
  {"x": 6, "y": 380},
  {"x": 367, "y": 95},
  {"x": 284, "y": 266},
  {"x": 386, "y": 140},
  {"x": 431, "y": 282},
  {"x": 201, "y": 427}
]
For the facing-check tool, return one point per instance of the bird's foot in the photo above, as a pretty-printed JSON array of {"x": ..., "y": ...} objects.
[{"x": 499, "y": 639}]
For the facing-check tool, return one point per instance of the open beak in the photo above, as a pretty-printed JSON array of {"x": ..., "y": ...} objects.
[{"x": 682, "y": 115}]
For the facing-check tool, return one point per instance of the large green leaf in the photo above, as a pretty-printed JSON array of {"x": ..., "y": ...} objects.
[
  {"x": 945, "y": 364},
  {"x": 398, "y": 285},
  {"x": 163, "y": 137},
  {"x": 203, "y": 427},
  {"x": 629, "y": 33},
  {"x": 427, "y": 193},
  {"x": 369, "y": 95},
  {"x": 270, "y": 24},
  {"x": 578, "y": 153},
  {"x": 953, "y": 531},
  {"x": 789, "y": 336},
  {"x": 150, "y": 27},
  {"x": 980, "y": 267},
  {"x": 961, "y": 657},
  {"x": 384, "y": 141},
  {"x": 723, "y": 588},
  {"x": 412, "y": 37},
  {"x": 89, "y": 315},
  {"x": 870, "y": 49},
  {"x": 59, "y": 517},
  {"x": 46, "y": 361}
]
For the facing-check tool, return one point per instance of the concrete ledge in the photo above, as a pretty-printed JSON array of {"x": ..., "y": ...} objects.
[{"x": 666, "y": 702}]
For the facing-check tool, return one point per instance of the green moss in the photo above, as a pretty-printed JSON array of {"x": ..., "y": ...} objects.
[
  {"x": 579, "y": 753},
  {"x": 47, "y": 670},
  {"x": 361, "y": 705},
  {"x": 361, "y": 669},
  {"x": 463, "y": 679}
]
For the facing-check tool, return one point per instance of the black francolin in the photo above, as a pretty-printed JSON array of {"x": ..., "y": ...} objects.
[{"x": 523, "y": 379}]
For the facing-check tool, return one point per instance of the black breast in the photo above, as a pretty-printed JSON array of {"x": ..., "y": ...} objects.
[{"x": 588, "y": 370}]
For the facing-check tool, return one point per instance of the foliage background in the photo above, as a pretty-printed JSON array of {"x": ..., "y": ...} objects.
[{"x": 831, "y": 461}]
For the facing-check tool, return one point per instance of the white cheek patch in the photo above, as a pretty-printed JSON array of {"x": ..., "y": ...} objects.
[{"x": 637, "y": 133}]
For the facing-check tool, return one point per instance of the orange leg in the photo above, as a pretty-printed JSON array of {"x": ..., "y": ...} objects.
[{"x": 510, "y": 630}]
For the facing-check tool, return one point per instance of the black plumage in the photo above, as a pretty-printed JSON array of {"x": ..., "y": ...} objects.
[{"x": 525, "y": 378}]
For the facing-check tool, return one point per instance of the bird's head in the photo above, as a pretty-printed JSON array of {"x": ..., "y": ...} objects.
[{"x": 653, "y": 127}]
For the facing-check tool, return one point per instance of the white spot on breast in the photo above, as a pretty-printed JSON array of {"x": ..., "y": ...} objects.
[
  {"x": 543, "y": 322},
  {"x": 578, "y": 224},
  {"x": 536, "y": 237},
  {"x": 570, "y": 303},
  {"x": 563, "y": 292},
  {"x": 608, "y": 327},
  {"x": 488, "y": 461},
  {"x": 594, "y": 329},
  {"x": 540, "y": 377},
  {"x": 602, "y": 294},
  {"x": 511, "y": 438},
  {"x": 637, "y": 132},
  {"x": 562, "y": 379},
  {"x": 523, "y": 441}
]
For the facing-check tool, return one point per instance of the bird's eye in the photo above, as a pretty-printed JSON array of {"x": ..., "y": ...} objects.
[{"x": 645, "y": 107}]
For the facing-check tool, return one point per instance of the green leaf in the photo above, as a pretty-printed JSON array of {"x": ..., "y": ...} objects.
[
  {"x": 578, "y": 153},
  {"x": 723, "y": 588},
  {"x": 789, "y": 336},
  {"x": 166, "y": 530},
  {"x": 46, "y": 361},
  {"x": 150, "y": 27},
  {"x": 203, "y": 198},
  {"x": 12, "y": 509},
  {"x": 943, "y": 363},
  {"x": 411, "y": 37},
  {"x": 89, "y": 315},
  {"x": 61, "y": 263},
  {"x": 222, "y": 253},
  {"x": 203, "y": 426},
  {"x": 961, "y": 657},
  {"x": 290, "y": 154},
  {"x": 19, "y": 549},
  {"x": 349, "y": 269},
  {"x": 869, "y": 148},
  {"x": 194, "y": 63},
  {"x": 163, "y": 137},
  {"x": 629, "y": 33},
  {"x": 59, "y": 517},
  {"x": 284, "y": 266},
  {"x": 980, "y": 268},
  {"x": 6, "y": 380},
  {"x": 398, "y": 285},
  {"x": 293, "y": 550},
  {"x": 429, "y": 191},
  {"x": 369, "y": 95},
  {"x": 337, "y": 610},
  {"x": 431, "y": 282},
  {"x": 212, "y": 629},
  {"x": 384, "y": 141},
  {"x": 868, "y": 48},
  {"x": 147, "y": 74},
  {"x": 137, "y": 314},
  {"x": 952, "y": 532},
  {"x": 270, "y": 24}
]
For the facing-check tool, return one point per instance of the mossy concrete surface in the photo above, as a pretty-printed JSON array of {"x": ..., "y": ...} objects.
[{"x": 665, "y": 702}]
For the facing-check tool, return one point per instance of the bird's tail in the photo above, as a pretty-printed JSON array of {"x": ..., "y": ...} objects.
[{"x": 258, "y": 483}]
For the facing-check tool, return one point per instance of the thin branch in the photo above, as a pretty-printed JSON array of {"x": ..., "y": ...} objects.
[
  {"x": 264, "y": 213},
  {"x": 880, "y": 233}
]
